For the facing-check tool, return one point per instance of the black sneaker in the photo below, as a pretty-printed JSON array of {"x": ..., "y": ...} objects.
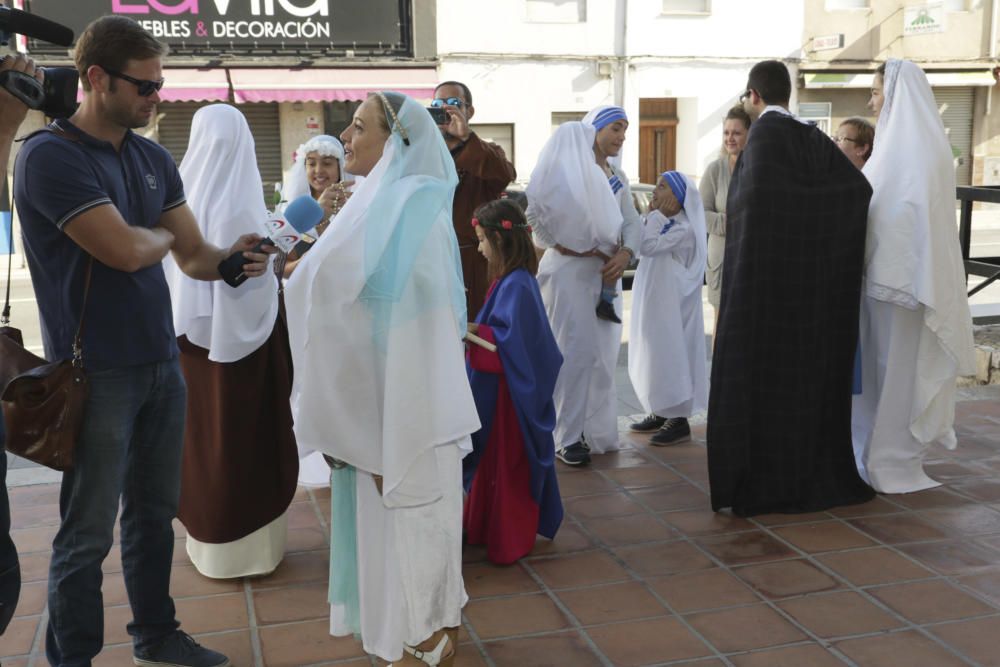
[
  {"x": 648, "y": 425},
  {"x": 576, "y": 454},
  {"x": 180, "y": 650},
  {"x": 675, "y": 430},
  {"x": 606, "y": 311}
]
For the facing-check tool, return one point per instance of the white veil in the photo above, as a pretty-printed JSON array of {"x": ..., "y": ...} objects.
[
  {"x": 912, "y": 254},
  {"x": 223, "y": 187},
  {"x": 692, "y": 274},
  {"x": 571, "y": 193},
  {"x": 376, "y": 313},
  {"x": 296, "y": 181}
]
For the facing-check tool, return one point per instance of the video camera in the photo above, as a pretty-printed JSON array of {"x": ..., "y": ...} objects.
[{"x": 56, "y": 96}]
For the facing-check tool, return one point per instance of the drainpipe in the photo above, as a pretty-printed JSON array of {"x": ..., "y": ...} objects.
[
  {"x": 621, "y": 45},
  {"x": 994, "y": 5}
]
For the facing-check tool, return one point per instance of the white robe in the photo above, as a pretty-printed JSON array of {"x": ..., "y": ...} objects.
[
  {"x": 585, "y": 395},
  {"x": 666, "y": 355},
  {"x": 916, "y": 335},
  {"x": 405, "y": 600},
  {"x": 376, "y": 315}
]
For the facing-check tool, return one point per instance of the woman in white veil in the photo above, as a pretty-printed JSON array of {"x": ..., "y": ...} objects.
[
  {"x": 317, "y": 165},
  {"x": 238, "y": 473},
  {"x": 377, "y": 314},
  {"x": 916, "y": 331}
]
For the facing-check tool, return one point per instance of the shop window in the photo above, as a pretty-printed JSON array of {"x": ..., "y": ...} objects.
[
  {"x": 555, "y": 11},
  {"x": 687, "y": 6},
  {"x": 818, "y": 113},
  {"x": 560, "y": 117}
]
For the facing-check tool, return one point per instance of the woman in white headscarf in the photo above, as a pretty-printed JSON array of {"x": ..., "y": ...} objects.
[
  {"x": 376, "y": 315},
  {"x": 580, "y": 208},
  {"x": 916, "y": 331},
  {"x": 666, "y": 352},
  {"x": 318, "y": 166},
  {"x": 238, "y": 474}
]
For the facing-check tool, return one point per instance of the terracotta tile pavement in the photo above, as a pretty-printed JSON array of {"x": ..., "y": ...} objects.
[{"x": 642, "y": 573}]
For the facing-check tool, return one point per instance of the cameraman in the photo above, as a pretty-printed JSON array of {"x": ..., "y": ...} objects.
[
  {"x": 88, "y": 187},
  {"x": 12, "y": 113}
]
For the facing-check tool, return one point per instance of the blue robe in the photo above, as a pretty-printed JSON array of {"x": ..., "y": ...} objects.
[{"x": 531, "y": 362}]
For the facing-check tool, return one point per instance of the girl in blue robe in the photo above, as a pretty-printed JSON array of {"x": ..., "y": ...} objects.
[{"x": 510, "y": 475}]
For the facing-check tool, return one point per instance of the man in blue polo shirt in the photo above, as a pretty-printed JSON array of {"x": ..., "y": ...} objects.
[{"x": 90, "y": 187}]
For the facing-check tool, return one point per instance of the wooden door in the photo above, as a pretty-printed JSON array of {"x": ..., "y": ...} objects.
[{"x": 657, "y": 137}]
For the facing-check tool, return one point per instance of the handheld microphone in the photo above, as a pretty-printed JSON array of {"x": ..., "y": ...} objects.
[
  {"x": 282, "y": 230},
  {"x": 30, "y": 25}
]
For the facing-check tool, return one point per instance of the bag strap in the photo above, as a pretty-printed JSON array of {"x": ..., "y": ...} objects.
[
  {"x": 55, "y": 129},
  {"x": 5, "y": 315}
]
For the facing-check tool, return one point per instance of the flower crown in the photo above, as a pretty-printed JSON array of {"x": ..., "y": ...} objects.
[{"x": 503, "y": 224}]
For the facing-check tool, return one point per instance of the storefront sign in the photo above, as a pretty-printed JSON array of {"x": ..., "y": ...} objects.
[
  {"x": 923, "y": 19},
  {"x": 828, "y": 42},
  {"x": 373, "y": 26}
]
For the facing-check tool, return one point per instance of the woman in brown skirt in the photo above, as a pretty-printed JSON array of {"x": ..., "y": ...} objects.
[{"x": 240, "y": 461}]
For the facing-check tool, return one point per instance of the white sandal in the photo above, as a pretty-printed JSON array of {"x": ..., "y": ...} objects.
[{"x": 437, "y": 656}]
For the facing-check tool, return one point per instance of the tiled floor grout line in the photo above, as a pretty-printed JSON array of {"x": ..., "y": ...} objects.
[
  {"x": 828, "y": 644},
  {"x": 683, "y": 621},
  {"x": 477, "y": 641},
  {"x": 38, "y": 644},
  {"x": 255, "y": 645},
  {"x": 574, "y": 621}
]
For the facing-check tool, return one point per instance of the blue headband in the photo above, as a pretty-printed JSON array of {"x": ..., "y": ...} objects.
[
  {"x": 677, "y": 184},
  {"x": 608, "y": 116}
]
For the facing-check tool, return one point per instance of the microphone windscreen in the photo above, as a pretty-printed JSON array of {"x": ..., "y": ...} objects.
[
  {"x": 303, "y": 213},
  {"x": 29, "y": 25}
]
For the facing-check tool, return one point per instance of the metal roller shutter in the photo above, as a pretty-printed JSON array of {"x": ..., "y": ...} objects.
[
  {"x": 174, "y": 129},
  {"x": 955, "y": 106}
]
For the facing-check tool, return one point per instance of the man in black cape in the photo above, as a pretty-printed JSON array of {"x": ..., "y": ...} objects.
[{"x": 779, "y": 412}]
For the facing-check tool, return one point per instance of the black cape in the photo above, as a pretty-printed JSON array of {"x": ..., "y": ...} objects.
[{"x": 779, "y": 411}]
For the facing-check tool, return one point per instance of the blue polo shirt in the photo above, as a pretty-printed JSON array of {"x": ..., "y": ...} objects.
[{"x": 128, "y": 318}]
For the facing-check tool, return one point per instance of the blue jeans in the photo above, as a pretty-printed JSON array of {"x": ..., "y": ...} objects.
[{"x": 129, "y": 449}]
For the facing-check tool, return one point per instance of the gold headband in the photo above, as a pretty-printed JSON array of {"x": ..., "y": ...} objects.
[{"x": 395, "y": 119}]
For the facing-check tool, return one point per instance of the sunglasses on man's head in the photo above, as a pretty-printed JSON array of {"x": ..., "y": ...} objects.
[
  {"x": 450, "y": 101},
  {"x": 144, "y": 86}
]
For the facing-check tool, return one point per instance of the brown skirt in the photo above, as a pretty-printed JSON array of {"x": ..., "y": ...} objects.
[{"x": 240, "y": 462}]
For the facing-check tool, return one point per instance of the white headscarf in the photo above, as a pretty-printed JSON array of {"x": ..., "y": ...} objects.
[
  {"x": 224, "y": 191},
  {"x": 692, "y": 275},
  {"x": 376, "y": 312},
  {"x": 912, "y": 255},
  {"x": 600, "y": 117},
  {"x": 571, "y": 193},
  {"x": 296, "y": 180}
]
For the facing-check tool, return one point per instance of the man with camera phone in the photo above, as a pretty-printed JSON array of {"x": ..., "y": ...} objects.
[
  {"x": 100, "y": 207},
  {"x": 483, "y": 173}
]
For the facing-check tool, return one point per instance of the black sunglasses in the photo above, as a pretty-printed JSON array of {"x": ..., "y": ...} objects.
[
  {"x": 745, "y": 96},
  {"x": 144, "y": 86}
]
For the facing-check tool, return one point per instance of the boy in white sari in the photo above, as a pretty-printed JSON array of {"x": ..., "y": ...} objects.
[{"x": 666, "y": 354}]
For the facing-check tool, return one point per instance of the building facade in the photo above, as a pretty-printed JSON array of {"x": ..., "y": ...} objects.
[
  {"x": 676, "y": 66},
  {"x": 954, "y": 41},
  {"x": 295, "y": 68}
]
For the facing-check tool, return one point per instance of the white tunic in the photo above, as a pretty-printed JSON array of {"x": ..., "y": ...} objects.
[
  {"x": 585, "y": 395},
  {"x": 916, "y": 335},
  {"x": 666, "y": 355}
]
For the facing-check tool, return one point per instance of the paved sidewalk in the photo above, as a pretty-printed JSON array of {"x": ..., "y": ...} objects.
[{"x": 642, "y": 573}]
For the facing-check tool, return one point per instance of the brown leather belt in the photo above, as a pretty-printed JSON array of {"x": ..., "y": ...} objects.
[{"x": 573, "y": 253}]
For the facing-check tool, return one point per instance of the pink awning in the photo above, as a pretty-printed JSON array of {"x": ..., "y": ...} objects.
[
  {"x": 328, "y": 85},
  {"x": 195, "y": 85},
  {"x": 190, "y": 85}
]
